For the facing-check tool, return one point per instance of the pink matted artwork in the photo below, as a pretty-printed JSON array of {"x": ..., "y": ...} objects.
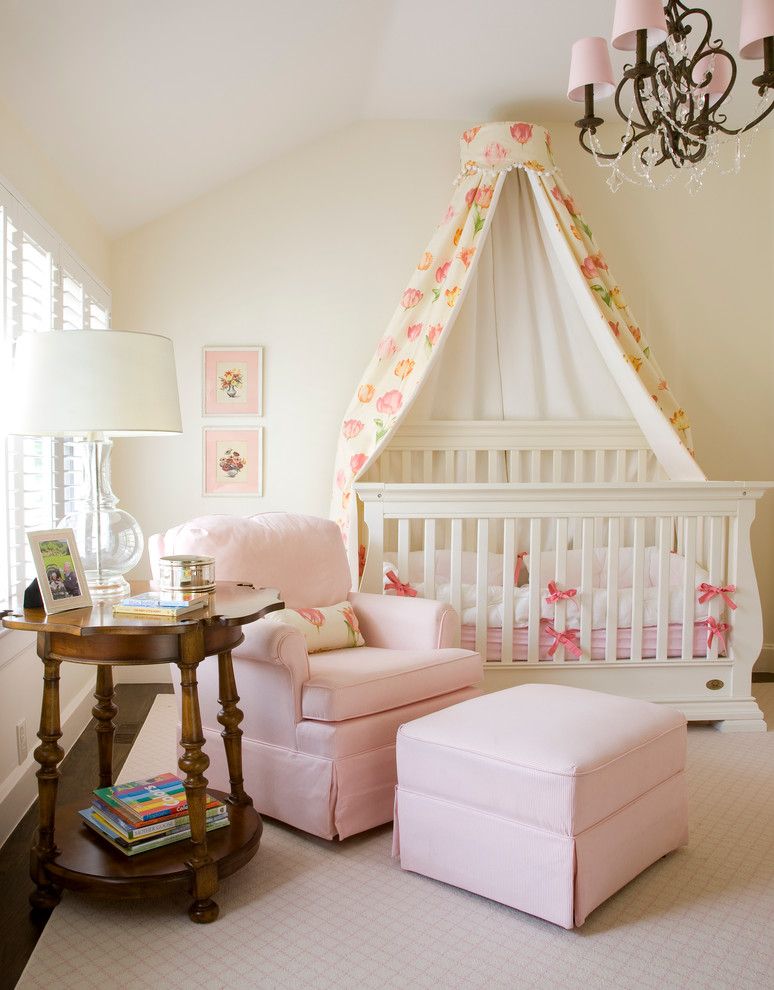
[
  {"x": 233, "y": 381},
  {"x": 233, "y": 458}
]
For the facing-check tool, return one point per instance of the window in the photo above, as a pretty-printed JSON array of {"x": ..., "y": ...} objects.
[{"x": 42, "y": 287}]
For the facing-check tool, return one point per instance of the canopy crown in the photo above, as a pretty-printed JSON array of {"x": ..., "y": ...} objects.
[{"x": 507, "y": 144}]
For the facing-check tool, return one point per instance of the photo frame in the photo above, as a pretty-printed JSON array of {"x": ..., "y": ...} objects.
[
  {"x": 233, "y": 460},
  {"x": 232, "y": 380},
  {"x": 59, "y": 568}
]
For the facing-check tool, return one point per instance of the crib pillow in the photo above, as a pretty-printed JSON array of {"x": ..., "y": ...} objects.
[
  {"x": 625, "y": 568},
  {"x": 334, "y": 627}
]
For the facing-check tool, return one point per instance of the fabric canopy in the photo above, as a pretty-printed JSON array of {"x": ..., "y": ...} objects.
[{"x": 542, "y": 327}]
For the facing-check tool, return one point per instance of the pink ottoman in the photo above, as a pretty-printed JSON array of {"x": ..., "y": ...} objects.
[{"x": 545, "y": 798}]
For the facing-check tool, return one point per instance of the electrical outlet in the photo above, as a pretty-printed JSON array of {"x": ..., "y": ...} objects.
[{"x": 21, "y": 740}]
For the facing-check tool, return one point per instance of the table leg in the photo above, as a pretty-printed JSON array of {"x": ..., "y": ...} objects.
[
  {"x": 193, "y": 764},
  {"x": 104, "y": 712},
  {"x": 48, "y": 755},
  {"x": 230, "y": 717}
]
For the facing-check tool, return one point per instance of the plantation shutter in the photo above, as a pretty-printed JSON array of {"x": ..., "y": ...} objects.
[{"x": 42, "y": 287}]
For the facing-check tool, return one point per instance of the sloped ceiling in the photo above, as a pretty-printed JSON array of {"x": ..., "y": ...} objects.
[{"x": 145, "y": 104}]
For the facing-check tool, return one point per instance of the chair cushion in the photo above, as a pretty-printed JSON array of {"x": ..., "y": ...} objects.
[
  {"x": 349, "y": 683},
  {"x": 545, "y": 755}
]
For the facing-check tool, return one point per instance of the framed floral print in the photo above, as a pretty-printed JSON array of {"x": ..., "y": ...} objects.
[
  {"x": 233, "y": 381},
  {"x": 59, "y": 569},
  {"x": 233, "y": 460}
]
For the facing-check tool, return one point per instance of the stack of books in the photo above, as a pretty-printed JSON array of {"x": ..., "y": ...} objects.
[
  {"x": 146, "y": 814},
  {"x": 168, "y": 604}
]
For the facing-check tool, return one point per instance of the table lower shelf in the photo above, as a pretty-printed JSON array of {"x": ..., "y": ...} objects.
[{"x": 90, "y": 864}]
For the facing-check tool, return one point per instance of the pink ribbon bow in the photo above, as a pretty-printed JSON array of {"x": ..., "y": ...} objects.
[
  {"x": 555, "y": 595},
  {"x": 519, "y": 562},
  {"x": 396, "y": 585},
  {"x": 566, "y": 638},
  {"x": 710, "y": 591},
  {"x": 715, "y": 628}
]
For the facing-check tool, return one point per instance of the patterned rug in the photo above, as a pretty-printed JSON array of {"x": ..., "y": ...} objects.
[{"x": 309, "y": 913}]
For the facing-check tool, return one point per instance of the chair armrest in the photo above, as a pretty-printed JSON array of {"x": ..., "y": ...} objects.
[
  {"x": 280, "y": 645},
  {"x": 397, "y": 623}
]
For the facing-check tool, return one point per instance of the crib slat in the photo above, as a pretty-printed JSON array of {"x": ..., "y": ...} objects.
[
  {"x": 611, "y": 624},
  {"x": 689, "y": 586},
  {"x": 455, "y": 568},
  {"x": 493, "y": 473},
  {"x": 470, "y": 465},
  {"x": 514, "y": 474},
  {"x": 599, "y": 465},
  {"x": 405, "y": 466},
  {"x": 577, "y": 466},
  {"x": 482, "y": 589},
  {"x": 585, "y": 591},
  {"x": 638, "y": 586},
  {"x": 429, "y": 547},
  {"x": 662, "y": 614},
  {"x": 620, "y": 465},
  {"x": 642, "y": 465},
  {"x": 560, "y": 574},
  {"x": 448, "y": 467},
  {"x": 427, "y": 466},
  {"x": 716, "y": 605},
  {"x": 509, "y": 562},
  {"x": 535, "y": 588},
  {"x": 534, "y": 466},
  {"x": 557, "y": 467},
  {"x": 403, "y": 549}
]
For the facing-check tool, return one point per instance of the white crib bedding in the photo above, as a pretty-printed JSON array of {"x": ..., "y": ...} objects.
[{"x": 494, "y": 611}]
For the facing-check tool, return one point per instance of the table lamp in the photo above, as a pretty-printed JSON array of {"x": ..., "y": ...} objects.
[{"x": 93, "y": 385}]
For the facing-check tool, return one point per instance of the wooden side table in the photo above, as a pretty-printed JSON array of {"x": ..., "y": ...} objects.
[{"x": 69, "y": 855}]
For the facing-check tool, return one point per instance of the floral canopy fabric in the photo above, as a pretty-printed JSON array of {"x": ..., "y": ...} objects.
[{"x": 421, "y": 324}]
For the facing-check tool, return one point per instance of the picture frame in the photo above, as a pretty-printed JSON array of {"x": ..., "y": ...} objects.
[
  {"x": 232, "y": 378},
  {"x": 59, "y": 570},
  {"x": 232, "y": 458}
]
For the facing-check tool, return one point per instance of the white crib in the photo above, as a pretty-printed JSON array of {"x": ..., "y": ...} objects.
[{"x": 453, "y": 507}]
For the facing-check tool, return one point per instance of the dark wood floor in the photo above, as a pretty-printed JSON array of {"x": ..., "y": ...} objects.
[{"x": 20, "y": 929}]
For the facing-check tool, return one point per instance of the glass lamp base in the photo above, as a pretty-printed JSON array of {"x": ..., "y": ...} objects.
[{"x": 106, "y": 586}]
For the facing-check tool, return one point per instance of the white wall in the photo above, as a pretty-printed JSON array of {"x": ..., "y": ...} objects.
[
  {"x": 308, "y": 255},
  {"x": 33, "y": 176}
]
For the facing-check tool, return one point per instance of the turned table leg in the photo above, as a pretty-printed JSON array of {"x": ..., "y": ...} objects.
[
  {"x": 193, "y": 763},
  {"x": 48, "y": 755},
  {"x": 104, "y": 712},
  {"x": 230, "y": 717}
]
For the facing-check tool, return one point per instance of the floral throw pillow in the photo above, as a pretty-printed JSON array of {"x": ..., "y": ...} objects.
[{"x": 332, "y": 628}]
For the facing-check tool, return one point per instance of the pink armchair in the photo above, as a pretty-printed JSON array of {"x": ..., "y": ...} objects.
[{"x": 319, "y": 730}]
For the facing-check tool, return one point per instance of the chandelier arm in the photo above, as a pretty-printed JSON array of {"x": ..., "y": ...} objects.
[
  {"x": 626, "y": 146},
  {"x": 732, "y": 132}
]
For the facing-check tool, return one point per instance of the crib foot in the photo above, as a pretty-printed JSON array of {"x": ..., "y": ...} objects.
[{"x": 741, "y": 725}]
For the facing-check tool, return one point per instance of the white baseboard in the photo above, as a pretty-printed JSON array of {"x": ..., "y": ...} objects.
[
  {"x": 151, "y": 673},
  {"x": 20, "y": 788},
  {"x": 765, "y": 662}
]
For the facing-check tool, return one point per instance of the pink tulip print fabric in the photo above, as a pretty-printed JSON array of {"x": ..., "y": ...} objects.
[
  {"x": 610, "y": 299},
  {"x": 429, "y": 303}
]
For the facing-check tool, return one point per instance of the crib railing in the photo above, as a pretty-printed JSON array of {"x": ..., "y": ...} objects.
[{"x": 708, "y": 523}]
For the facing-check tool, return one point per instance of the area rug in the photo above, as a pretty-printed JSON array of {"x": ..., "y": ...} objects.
[{"x": 310, "y": 913}]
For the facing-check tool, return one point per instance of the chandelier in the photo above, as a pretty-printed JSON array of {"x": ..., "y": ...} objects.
[{"x": 672, "y": 97}]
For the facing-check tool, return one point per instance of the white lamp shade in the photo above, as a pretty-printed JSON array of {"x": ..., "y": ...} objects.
[
  {"x": 757, "y": 24},
  {"x": 632, "y": 16},
  {"x": 590, "y": 66},
  {"x": 77, "y": 382}
]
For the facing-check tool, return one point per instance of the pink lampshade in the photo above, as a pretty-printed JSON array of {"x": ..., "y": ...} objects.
[
  {"x": 632, "y": 16},
  {"x": 757, "y": 24},
  {"x": 590, "y": 65},
  {"x": 720, "y": 67}
]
